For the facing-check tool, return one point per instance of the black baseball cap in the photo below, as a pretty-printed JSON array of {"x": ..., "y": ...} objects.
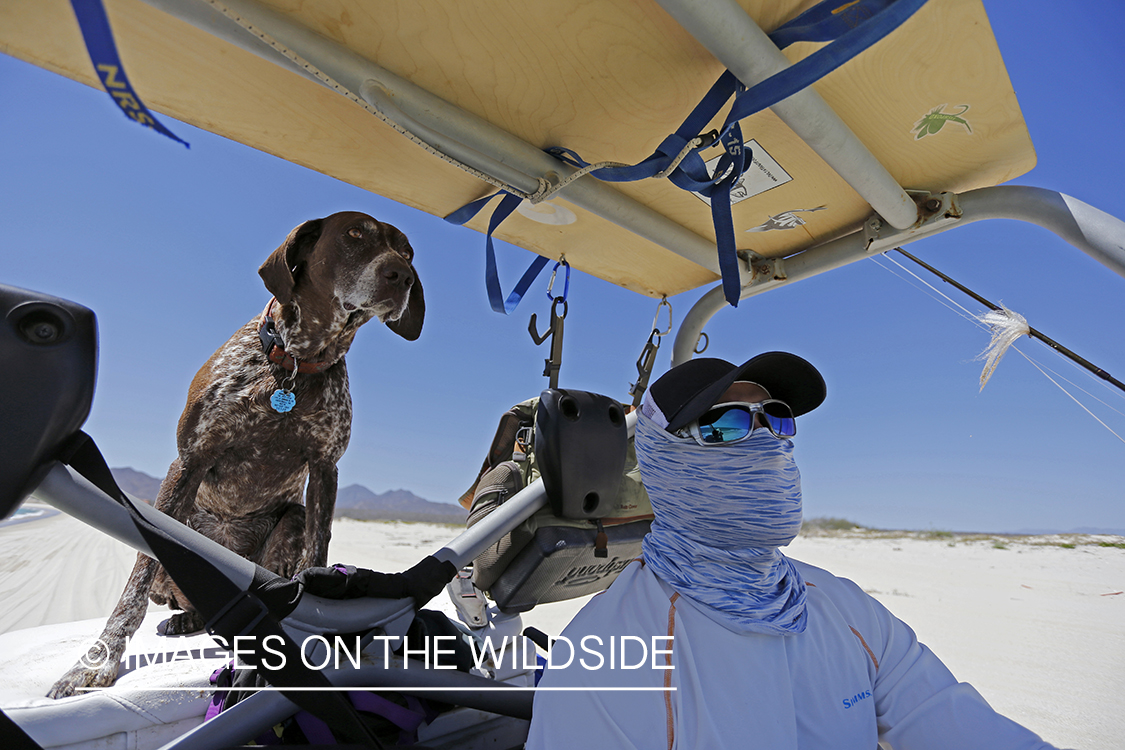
[{"x": 685, "y": 392}]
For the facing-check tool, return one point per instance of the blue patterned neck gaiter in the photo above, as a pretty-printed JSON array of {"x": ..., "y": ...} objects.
[{"x": 721, "y": 514}]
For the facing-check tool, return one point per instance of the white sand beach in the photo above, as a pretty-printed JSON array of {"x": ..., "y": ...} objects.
[{"x": 1037, "y": 627}]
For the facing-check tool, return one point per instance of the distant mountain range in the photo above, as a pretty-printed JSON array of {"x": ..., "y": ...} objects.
[
  {"x": 356, "y": 501},
  {"x": 353, "y": 501},
  {"x": 137, "y": 483}
]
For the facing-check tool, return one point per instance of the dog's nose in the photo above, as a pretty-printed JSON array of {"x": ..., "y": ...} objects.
[{"x": 399, "y": 277}]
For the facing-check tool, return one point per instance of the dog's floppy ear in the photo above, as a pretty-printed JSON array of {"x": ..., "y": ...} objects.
[
  {"x": 409, "y": 324},
  {"x": 277, "y": 271}
]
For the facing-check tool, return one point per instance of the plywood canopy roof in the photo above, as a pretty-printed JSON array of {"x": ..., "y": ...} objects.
[{"x": 608, "y": 79}]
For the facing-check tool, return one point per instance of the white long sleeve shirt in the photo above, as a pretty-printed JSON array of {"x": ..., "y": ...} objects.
[{"x": 856, "y": 677}]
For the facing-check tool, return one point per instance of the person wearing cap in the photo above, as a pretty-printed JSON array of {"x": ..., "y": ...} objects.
[{"x": 743, "y": 647}]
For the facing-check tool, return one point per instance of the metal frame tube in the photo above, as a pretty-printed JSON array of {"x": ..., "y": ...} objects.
[
  {"x": 838, "y": 252},
  {"x": 476, "y": 539},
  {"x": 474, "y": 135},
  {"x": 71, "y": 493},
  {"x": 454, "y": 132},
  {"x": 1096, "y": 233},
  {"x": 1091, "y": 230},
  {"x": 723, "y": 27},
  {"x": 68, "y": 491},
  {"x": 383, "y": 99}
]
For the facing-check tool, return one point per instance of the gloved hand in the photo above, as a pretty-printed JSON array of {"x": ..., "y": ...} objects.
[
  {"x": 334, "y": 582},
  {"x": 422, "y": 582},
  {"x": 426, "y": 579}
]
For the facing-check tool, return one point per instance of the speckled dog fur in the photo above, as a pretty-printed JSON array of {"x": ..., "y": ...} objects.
[{"x": 242, "y": 466}]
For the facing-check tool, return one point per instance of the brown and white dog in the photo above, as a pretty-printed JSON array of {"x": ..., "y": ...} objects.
[{"x": 243, "y": 463}]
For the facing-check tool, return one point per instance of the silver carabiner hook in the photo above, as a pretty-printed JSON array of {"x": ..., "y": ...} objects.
[{"x": 656, "y": 318}]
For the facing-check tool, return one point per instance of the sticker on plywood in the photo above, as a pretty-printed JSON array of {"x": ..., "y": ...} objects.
[
  {"x": 934, "y": 120},
  {"x": 785, "y": 220},
  {"x": 764, "y": 174}
]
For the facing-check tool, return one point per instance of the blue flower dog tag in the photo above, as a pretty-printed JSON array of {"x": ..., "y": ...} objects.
[{"x": 282, "y": 401}]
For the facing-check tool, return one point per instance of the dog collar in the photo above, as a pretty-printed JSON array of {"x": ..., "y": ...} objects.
[{"x": 274, "y": 347}]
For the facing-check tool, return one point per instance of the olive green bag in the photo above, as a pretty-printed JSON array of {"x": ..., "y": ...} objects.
[{"x": 548, "y": 557}]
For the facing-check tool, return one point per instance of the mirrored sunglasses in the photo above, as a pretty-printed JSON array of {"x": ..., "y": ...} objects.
[{"x": 734, "y": 421}]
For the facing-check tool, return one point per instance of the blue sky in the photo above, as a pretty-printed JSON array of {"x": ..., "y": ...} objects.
[{"x": 164, "y": 244}]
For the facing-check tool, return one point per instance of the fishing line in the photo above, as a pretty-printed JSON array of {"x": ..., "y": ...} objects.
[
  {"x": 975, "y": 319},
  {"x": 937, "y": 295},
  {"x": 1060, "y": 376},
  {"x": 1072, "y": 398},
  {"x": 1029, "y": 330},
  {"x": 959, "y": 309},
  {"x": 1005, "y": 328}
]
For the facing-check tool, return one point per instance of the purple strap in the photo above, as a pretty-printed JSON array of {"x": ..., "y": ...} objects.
[
  {"x": 215, "y": 707},
  {"x": 221, "y": 679},
  {"x": 400, "y": 716},
  {"x": 407, "y": 718}
]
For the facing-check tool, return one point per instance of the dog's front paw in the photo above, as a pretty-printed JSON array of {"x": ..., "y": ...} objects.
[
  {"x": 183, "y": 623},
  {"x": 95, "y": 670},
  {"x": 309, "y": 559},
  {"x": 288, "y": 569}
]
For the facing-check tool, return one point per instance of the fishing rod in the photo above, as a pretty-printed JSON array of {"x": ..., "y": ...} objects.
[{"x": 1030, "y": 331}]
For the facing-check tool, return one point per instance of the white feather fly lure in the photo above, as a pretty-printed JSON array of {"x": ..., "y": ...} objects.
[{"x": 1007, "y": 326}]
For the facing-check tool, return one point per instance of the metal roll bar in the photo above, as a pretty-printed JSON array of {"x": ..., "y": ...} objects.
[{"x": 1096, "y": 233}]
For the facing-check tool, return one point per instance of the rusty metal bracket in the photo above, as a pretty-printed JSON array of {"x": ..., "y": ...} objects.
[
  {"x": 936, "y": 213},
  {"x": 762, "y": 270}
]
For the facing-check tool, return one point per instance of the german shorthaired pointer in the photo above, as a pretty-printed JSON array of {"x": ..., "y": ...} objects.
[{"x": 267, "y": 412}]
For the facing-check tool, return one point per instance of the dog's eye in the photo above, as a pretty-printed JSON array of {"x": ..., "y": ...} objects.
[{"x": 356, "y": 232}]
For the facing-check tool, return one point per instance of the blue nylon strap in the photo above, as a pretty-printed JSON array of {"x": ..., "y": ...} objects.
[
  {"x": 691, "y": 175},
  {"x": 804, "y": 73},
  {"x": 721, "y": 215},
  {"x": 823, "y": 22},
  {"x": 98, "y": 36},
  {"x": 850, "y": 28},
  {"x": 868, "y": 22},
  {"x": 507, "y": 205}
]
